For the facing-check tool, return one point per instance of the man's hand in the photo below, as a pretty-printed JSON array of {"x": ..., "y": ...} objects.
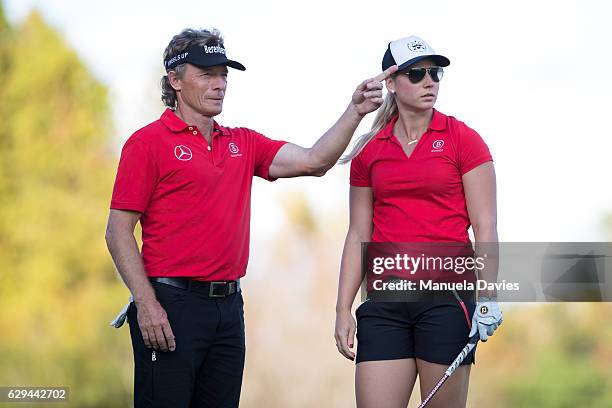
[
  {"x": 487, "y": 318},
  {"x": 368, "y": 95},
  {"x": 154, "y": 326},
  {"x": 293, "y": 161},
  {"x": 345, "y": 333}
]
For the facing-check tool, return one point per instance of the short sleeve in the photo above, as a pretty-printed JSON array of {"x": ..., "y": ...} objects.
[
  {"x": 265, "y": 150},
  {"x": 360, "y": 173},
  {"x": 472, "y": 150},
  {"x": 136, "y": 177}
]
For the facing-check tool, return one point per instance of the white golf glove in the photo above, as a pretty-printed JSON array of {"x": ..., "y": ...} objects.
[
  {"x": 120, "y": 319},
  {"x": 487, "y": 318}
]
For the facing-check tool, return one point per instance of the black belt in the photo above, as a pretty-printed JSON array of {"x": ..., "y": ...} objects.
[{"x": 212, "y": 289}]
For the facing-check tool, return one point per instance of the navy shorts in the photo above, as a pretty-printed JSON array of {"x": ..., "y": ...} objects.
[{"x": 434, "y": 332}]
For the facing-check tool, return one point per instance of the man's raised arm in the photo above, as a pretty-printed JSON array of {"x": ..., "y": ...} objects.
[{"x": 293, "y": 160}]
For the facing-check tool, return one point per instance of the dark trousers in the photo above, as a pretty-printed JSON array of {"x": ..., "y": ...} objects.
[{"x": 205, "y": 370}]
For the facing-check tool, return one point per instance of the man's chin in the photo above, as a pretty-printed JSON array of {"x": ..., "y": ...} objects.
[{"x": 212, "y": 111}]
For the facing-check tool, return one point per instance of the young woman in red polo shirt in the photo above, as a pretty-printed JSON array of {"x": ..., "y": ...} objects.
[{"x": 418, "y": 176}]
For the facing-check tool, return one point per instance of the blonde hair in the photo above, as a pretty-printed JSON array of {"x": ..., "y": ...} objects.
[{"x": 387, "y": 111}]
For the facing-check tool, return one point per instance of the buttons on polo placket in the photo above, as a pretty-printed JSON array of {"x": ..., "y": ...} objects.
[{"x": 195, "y": 132}]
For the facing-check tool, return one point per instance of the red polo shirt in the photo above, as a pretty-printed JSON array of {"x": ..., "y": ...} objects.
[
  {"x": 420, "y": 198},
  {"x": 195, "y": 202}
]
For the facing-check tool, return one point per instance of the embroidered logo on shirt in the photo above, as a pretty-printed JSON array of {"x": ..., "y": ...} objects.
[
  {"x": 235, "y": 152},
  {"x": 438, "y": 146},
  {"x": 183, "y": 153}
]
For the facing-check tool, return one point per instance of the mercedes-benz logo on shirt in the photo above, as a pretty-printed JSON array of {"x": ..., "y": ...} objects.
[{"x": 183, "y": 153}]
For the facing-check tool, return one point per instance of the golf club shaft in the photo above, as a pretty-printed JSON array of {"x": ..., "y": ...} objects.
[{"x": 451, "y": 369}]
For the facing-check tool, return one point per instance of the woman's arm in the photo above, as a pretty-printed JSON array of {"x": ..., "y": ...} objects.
[
  {"x": 480, "y": 196},
  {"x": 360, "y": 230}
]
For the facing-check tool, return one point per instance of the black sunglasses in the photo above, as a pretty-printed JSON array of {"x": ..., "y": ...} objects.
[{"x": 416, "y": 75}]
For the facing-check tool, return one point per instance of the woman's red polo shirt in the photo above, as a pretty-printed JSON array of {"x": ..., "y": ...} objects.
[{"x": 420, "y": 198}]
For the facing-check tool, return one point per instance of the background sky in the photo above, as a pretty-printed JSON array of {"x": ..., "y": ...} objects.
[{"x": 530, "y": 77}]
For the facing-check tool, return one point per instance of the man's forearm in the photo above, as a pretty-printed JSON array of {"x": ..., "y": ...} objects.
[
  {"x": 127, "y": 258},
  {"x": 327, "y": 150}
]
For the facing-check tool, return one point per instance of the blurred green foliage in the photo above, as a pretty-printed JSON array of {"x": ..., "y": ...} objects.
[
  {"x": 573, "y": 367},
  {"x": 58, "y": 288},
  {"x": 549, "y": 356},
  {"x": 560, "y": 381}
]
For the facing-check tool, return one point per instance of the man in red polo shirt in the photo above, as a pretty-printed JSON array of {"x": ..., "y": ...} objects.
[{"x": 188, "y": 179}]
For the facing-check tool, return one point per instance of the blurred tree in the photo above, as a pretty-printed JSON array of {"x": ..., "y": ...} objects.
[
  {"x": 58, "y": 289},
  {"x": 547, "y": 355},
  {"x": 571, "y": 367}
]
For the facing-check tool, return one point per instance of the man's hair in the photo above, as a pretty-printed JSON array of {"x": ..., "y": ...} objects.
[{"x": 178, "y": 44}]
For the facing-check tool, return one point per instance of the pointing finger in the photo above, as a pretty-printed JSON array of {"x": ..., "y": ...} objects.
[{"x": 386, "y": 73}]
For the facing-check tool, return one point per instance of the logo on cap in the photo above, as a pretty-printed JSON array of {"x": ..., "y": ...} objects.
[
  {"x": 215, "y": 49},
  {"x": 417, "y": 46},
  {"x": 176, "y": 58},
  {"x": 183, "y": 153}
]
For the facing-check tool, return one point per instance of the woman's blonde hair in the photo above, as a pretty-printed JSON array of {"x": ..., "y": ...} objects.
[{"x": 387, "y": 111}]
